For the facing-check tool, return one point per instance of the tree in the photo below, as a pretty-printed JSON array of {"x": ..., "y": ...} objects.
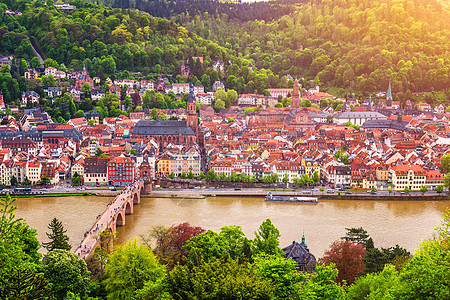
[
  {"x": 154, "y": 114},
  {"x": 76, "y": 179},
  {"x": 219, "y": 105},
  {"x": 100, "y": 153},
  {"x": 232, "y": 96},
  {"x": 347, "y": 257},
  {"x": 445, "y": 162},
  {"x": 163, "y": 116},
  {"x": 211, "y": 175},
  {"x": 26, "y": 182},
  {"x": 13, "y": 180},
  {"x": 172, "y": 175},
  {"x": 22, "y": 282},
  {"x": 201, "y": 176},
  {"x": 266, "y": 239},
  {"x": 79, "y": 114},
  {"x": 58, "y": 237},
  {"x": 426, "y": 275},
  {"x": 389, "y": 190},
  {"x": 285, "y": 178},
  {"x": 406, "y": 190},
  {"x": 423, "y": 189},
  {"x": 282, "y": 275},
  {"x": 315, "y": 177},
  {"x": 375, "y": 259},
  {"x": 170, "y": 244},
  {"x": 440, "y": 189},
  {"x": 218, "y": 280},
  {"x": 96, "y": 263},
  {"x": 356, "y": 235},
  {"x": 67, "y": 273},
  {"x": 18, "y": 242},
  {"x": 375, "y": 285},
  {"x": 129, "y": 269},
  {"x": 207, "y": 247},
  {"x": 86, "y": 89},
  {"x": 447, "y": 181},
  {"x": 45, "y": 180},
  {"x": 190, "y": 175}
]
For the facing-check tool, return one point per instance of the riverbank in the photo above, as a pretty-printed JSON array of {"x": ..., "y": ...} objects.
[
  {"x": 202, "y": 193},
  {"x": 52, "y": 195}
]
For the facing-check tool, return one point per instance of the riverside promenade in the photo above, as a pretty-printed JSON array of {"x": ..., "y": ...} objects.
[{"x": 111, "y": 217}]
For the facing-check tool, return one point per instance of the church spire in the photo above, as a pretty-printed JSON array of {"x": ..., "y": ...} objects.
[{"x": 389, "y": 96}]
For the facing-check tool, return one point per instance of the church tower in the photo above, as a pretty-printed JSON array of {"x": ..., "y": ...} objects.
[
  {"x": 295, "y": 95},
  {"x": 192, "y": 119},
  {"x": 389, "y": 96}
]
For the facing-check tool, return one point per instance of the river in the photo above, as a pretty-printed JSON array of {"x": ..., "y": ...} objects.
[{"x": 406, "y": 223}]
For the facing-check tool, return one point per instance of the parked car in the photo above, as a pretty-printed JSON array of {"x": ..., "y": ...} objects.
[
  {"x": 330, "y": 192},
  {"x": 348, "y": 193}
]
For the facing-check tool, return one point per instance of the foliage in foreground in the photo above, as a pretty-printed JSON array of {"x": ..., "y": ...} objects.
[{"x": 210, "y": 265}]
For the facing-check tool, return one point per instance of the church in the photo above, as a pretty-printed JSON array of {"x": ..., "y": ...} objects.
[
  {"x": 179, "y": 132},
  {"x": 293, "y": 117}
]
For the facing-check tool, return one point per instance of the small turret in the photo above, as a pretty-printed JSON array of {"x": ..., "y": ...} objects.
[{"x": 295, "y": 95}]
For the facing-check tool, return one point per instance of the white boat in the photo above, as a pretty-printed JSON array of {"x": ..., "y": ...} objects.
[{"x": 291, "y": 199}]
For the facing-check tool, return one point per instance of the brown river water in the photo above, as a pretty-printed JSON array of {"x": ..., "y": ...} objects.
[{"x": 406, "y": 223}]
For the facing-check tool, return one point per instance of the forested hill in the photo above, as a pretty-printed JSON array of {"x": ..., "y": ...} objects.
[
  {"x": 106, "y": 39},
  {"x": 265, "y": 10},
  {"x": 352, "y": 44}
]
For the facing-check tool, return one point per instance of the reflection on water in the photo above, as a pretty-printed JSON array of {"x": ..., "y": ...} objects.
[{"x": 406, "y": 223}]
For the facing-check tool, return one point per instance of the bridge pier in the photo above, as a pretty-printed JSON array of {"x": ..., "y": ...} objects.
[{"x": 147, "y": 188}]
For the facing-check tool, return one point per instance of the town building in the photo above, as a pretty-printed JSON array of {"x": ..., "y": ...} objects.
[
  {"x": 184, "y": 163},
  {"x": 299, "y": 253},
  {"x": 54, "y": 91},
  {"x": 121, "y": 171},
  {"x": 411, "y": 176},
  {"x": 96, "y": 171},
  {"x": 358, "y": 117},
  {"x": 30, "y": 97},
  {"x": 31, "y": 74},
  {"x": 218, "y": 85}
]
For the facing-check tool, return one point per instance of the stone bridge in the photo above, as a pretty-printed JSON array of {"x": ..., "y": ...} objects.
[{"x": 113, "y": 215}]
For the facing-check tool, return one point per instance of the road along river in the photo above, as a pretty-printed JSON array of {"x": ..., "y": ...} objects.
[{"x": 406, "y": 223}]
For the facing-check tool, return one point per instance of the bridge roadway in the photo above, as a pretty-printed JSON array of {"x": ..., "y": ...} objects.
[{"x": 111, "y": 217}]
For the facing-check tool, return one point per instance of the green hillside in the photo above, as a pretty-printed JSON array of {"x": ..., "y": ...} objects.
[
  {"x": 106, "y": 39},
  {"x": 359, "y": 45}
]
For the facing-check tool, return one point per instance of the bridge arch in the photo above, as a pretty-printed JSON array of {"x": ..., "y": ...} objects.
[
  {"x": 120, "y": 218},
  {"x": 129, "y": 208}
]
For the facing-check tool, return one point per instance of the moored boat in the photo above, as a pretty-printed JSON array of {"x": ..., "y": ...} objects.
[{"x": 291, "y": 199}]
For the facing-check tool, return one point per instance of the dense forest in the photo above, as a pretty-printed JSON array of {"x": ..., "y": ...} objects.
[
  {"x": 267, "y": 10},
  {"x": 187, "y": 262},
  {"x": 344, "y": 46},
  {"x": 357, "y": 45}
]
